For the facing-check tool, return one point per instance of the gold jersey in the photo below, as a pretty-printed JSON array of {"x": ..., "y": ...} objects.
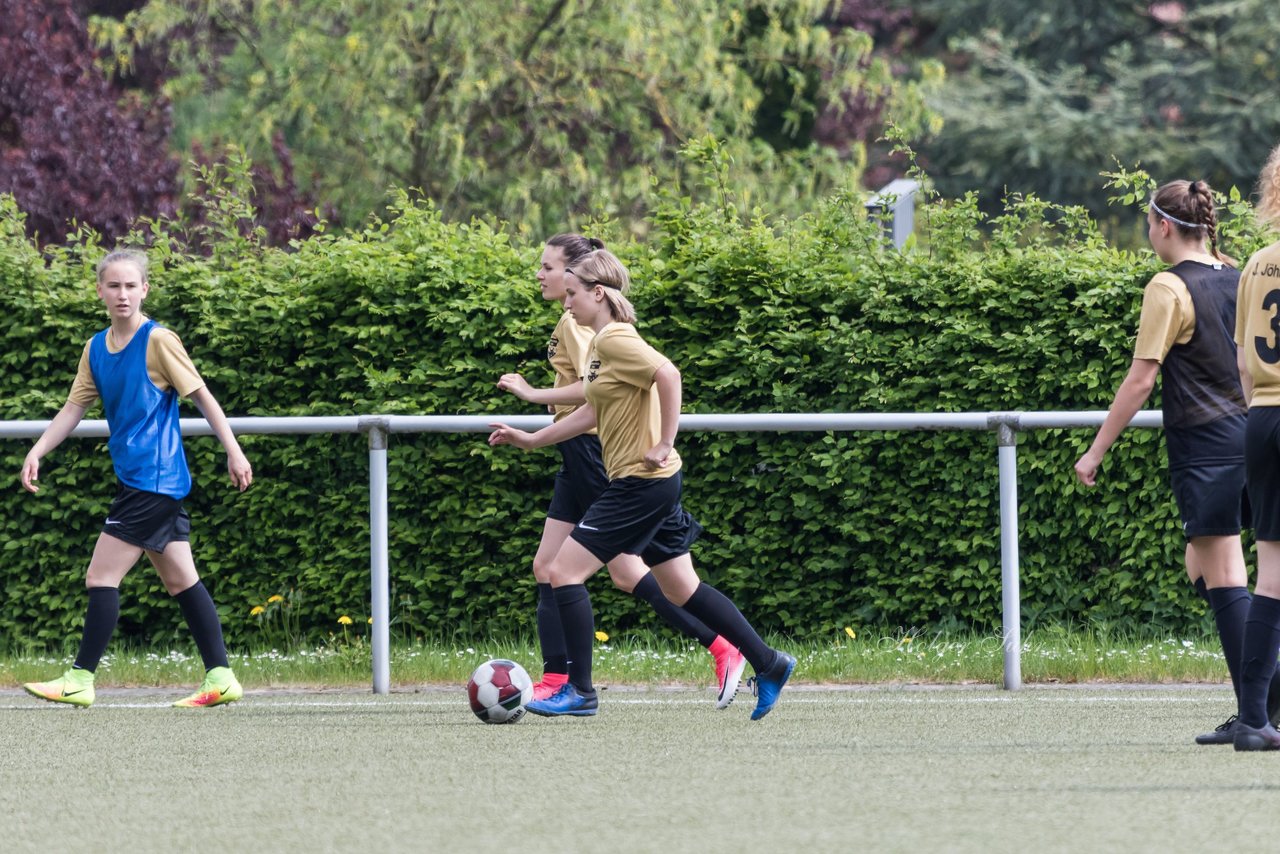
[
  {"x": 567, "y": 351},
  {"x": 168, "y": 366},
  {"x": 1258, "y": 324},
  {"x": 1168, "y": 317},
  {"x": 619, "y": 386}
]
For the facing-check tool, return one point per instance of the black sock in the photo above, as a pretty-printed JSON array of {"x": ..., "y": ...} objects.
[
  {"x": 1261, "y": 639},
  {"x": 550, "y": 632},
  {"x": 579, "y": 625},
  {"x": 1273, "y": 695},
  {"x": 678, "y": 618},
  {"x": 1202, "y": 589},
  {"x": 1230, "y": 610},
  {"x": 714, "y": 608},
  {"x": 202, "y": 618},
  {"x": 100, "y": 617}
]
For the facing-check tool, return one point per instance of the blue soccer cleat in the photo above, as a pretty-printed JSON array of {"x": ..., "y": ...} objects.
[
  {"x": 767, "y": 686},
  {"x": 566, "y": 701}
]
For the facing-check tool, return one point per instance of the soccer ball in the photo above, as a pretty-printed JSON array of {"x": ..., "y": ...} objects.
[{"x": 498, "y": 691}]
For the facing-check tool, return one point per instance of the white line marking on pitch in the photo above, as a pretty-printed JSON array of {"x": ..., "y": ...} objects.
[{"x": 878, "y": 699}]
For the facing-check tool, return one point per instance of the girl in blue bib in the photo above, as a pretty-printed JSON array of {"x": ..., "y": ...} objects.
[{"x": 139, "y": 369}]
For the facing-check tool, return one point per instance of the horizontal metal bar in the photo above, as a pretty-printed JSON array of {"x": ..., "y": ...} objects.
[{"x": 771, "y": 422}]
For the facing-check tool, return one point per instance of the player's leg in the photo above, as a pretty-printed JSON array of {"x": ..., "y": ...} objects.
[
  {"x": 570, "y": 569},
  {"x": 1261, "y": 639},
  {"x": 555, "y": 660},
  {"x": 1220, "y": 561},
  {"x": 681, "y": 584},
  {"x": 1262, "y": 625},
  {"x": 1210, "y": 505},
  {"x": 111, "y": 562},
  {"x": 630, "y": 574},
  {"x": 177, "y": 570}
]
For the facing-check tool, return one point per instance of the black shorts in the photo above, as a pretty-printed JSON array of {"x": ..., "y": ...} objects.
[
  {"x": 1262, "y": 470},
  {"x": 1210, "y": 497},
  {"x": 580, "y": 480},
  {"x": 638, "y": 515},
  {"x": 146, "y": 519}
]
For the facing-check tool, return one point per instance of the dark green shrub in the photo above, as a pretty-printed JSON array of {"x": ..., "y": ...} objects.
[{"x": 808, "y": 532}]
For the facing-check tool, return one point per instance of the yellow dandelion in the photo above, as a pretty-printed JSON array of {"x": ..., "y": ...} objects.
[
  {"x": 850, "y": 632},
  {"x": 371, "y": 621},
  {"x": 602, "y": 637},
  {"x": 256, "y": 610},
  {"x": 275, "y": 598},
  {"x": 344, "y": 620}
]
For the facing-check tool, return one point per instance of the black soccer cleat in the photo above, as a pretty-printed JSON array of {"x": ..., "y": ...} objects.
[{"x": 1248, "y": 738}]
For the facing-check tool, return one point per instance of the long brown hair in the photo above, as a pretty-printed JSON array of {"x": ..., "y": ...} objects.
[
  {"x": 575, "y": 247},
  {"x": 1188, "y": 206}
]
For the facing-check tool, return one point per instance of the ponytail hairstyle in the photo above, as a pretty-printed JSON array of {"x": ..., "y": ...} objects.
[
  {"x": 1188, "y": 206},
  {"x": 133, "y": 256},
  {"x": 600, "y": 268},
  {"x": 1268, "y": 209},
  {"x": 575, "y": 247}
]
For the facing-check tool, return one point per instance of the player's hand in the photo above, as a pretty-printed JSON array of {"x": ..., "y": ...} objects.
[
  {"x": 1087, "y": 469},
  {"x": 515, "y": 384},
  {"x": 240, "y": 470},
  {"x": 504, "y": 434},
  {"x": 657, "y": 456},
  {"x": 30, "y": 473}
]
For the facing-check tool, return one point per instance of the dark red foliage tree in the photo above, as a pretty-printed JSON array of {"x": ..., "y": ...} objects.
[
  {"x": 73, "y": 145},
  {"x": 858, "y": 117},
  {"x": 283, "y": 211}
]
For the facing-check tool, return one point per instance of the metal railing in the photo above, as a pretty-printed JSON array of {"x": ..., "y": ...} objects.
[{"x": 1006, "y": 426}]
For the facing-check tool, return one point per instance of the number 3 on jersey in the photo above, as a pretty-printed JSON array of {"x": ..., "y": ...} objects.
[{"x": 1269, "y": 351}]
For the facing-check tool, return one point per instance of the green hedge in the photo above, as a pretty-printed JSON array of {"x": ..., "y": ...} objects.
[{"x": 808, "y": 532}]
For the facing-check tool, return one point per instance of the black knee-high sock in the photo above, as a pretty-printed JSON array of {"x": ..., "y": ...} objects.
[
  {"x": 1261, "y": 640},
  {"x": 550, "y": 633},
  {"x": 202, "y": 618},
  {"x": 714, "y": 608},
  {"x": 678, "y": 618},
  {"x": 579, "y": 625},
  {"x": 1230, "y": 610},
  {"x": 100, "y": 617},
  {"x": 1202, "y": 589}
]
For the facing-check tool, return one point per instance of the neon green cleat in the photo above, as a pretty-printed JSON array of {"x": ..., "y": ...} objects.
[
  {"x": 74, "y": 687},
  {"x": 219, "y": 686}
]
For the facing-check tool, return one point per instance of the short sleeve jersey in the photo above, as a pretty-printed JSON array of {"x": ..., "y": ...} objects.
[
  {"x": 1258, "y": 324},
  {"x": 619, "y": 386},
  {"x": 168, "y": 366},
  {"x": 1168, "y": 317},
  {"x": 567, "y": 351}
]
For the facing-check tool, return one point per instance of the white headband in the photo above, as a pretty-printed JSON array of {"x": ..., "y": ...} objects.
[{"x": 1156, "y": 208}]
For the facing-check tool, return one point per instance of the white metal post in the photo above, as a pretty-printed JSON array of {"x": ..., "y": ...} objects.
[
  {"x": 1012, "y": 600},
  {"x": 380, "y": 576}
]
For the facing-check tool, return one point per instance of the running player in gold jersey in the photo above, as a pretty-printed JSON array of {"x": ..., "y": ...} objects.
[
  {"x": 580, "y": 481},
  {"x": 633, "y": 396}
]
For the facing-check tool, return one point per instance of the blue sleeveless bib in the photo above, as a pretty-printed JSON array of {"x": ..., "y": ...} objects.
[{"x": 146, "y": 442}]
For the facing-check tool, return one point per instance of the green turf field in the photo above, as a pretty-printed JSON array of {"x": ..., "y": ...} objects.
[{"x": 865, "y": 769}]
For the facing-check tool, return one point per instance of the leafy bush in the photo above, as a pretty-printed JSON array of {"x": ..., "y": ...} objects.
[{"x": 809, "y": 532}]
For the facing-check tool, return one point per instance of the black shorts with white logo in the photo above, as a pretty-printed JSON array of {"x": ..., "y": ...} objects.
[
  {"x": 146, "y": 519},
  {"x": 580, "y": 480},
  {"x": 638, "y": 515},
  {"x": 1211, "y": 498},
  {"x": 1262, "y": 470}
]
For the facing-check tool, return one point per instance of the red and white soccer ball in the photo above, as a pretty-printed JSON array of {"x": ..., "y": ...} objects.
[{"x": 499, "y": 690}]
